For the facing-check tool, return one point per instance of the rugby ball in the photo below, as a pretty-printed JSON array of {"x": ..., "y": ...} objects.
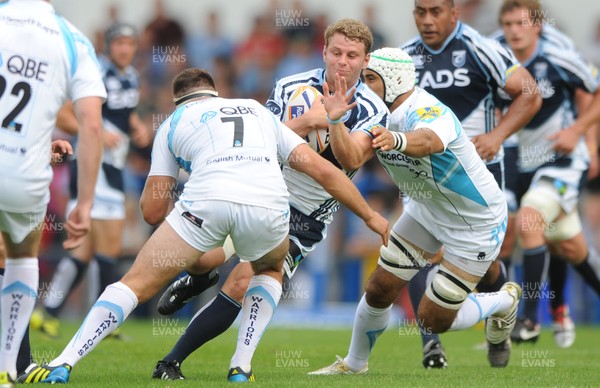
[{"x": 299, "y": 103}]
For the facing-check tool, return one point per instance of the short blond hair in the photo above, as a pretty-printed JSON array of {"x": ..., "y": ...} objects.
[
  {"x": 534, "y": 8},
  {"x": 353, "y": 29}
]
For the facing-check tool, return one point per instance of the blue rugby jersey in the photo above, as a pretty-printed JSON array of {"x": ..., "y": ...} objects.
[
  {"x": 464, "y": 74},
  {"x": 306, "y": 195}
]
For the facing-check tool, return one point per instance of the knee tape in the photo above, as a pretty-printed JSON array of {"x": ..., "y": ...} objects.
[
  {"x": 448, "y": 290},
  {"x": 564, "y": 229},
  {"x": 400, "y": 258},
  {"x": 542, "y": 198}
]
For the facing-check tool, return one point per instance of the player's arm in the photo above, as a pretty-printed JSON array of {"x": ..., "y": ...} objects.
[
  {"x": 417, "y": 144},
  {"x": 66, "y": 120},
  {"x": 313, "y": 118},
  {"x": 157, "y": 197},
  {"x": 526, "y": 102},
  {"x": 88, "y": 111},
  {"x": 336, "y": 183},
  {"x": 155, "y": 201},
  {"x": 583, "y": 100},
  {"x": 588, "y": 117},
  {"x": 566, "y": 140},
  {"x": 351, "y": 150}
]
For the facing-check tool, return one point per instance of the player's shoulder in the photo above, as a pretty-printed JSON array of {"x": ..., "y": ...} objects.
[
  {"x": 472, "y": 37},
  {"x": 411, "y": 45},
  {"x": 310, "y": 77},
  {"x": 71, "y": 32},
  {"x": 556, "y": 37},
  {"x": 366, "y": 96},
  {"x": 498, "y": 36},
  {"x": 424, "y": 99},
  {"x": 239, "y": 106},
  {"x": 554, "y": 51}
]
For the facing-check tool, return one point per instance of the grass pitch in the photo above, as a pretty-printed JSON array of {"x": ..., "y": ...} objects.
[{"x": 284, "y": 356}]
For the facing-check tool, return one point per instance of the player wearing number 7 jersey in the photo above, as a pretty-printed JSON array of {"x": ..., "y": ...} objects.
[{"x": 43, "y": 61}]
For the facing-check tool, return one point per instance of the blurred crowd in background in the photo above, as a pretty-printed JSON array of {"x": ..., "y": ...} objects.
[{"x": 279, "y": 42}]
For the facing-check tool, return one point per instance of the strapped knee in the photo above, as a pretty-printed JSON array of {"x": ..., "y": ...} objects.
[
  {"x": 564, "y": 229},
  {"x": 400, "y": 258},
  {"x": 448, "y": 290}
]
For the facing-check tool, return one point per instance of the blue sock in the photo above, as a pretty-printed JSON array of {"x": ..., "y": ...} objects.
[
  {"x": 416, "y": 290},
  {"x": 212, "y": 320}
]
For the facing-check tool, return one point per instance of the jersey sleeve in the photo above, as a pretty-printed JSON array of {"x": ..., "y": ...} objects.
[
  {"x": 275, "y": 102},
  {"x": 371, "y": 113},
  {"x": 440, "y": 120},
  {"x": 499, "y": 61},
  {"x": 573, "y": 68},
  {"x": 163, "y": 161},
  {"x": 86, "y": 77}
]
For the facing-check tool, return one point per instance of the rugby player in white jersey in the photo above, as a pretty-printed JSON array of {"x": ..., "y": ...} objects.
[
  {"x": 43, "y": 61},
  {"x": 464, "y": 70},
  {"x": 464, "y": 211}
]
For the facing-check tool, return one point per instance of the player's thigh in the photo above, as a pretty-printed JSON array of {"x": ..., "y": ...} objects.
[
  {"x": 305, "y": 233},
  {"x": 272, "y": 261},
  {"x": 410, "y": 247},
  {"x": 22, "y": 233},
  {"x": 85, "y": 251},
  {"x": 573, "y": 249},
  {"x": 162, "y": 258},
  {"x": 108, "y": 236}
]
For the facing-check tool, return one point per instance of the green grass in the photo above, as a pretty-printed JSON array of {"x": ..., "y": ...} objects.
[{"x": 285, "y": 356}]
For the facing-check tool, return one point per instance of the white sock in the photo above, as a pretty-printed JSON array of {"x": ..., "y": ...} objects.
[
  {"x": 480, "y": 306},
  {"x": 258, "y": 307},
  {"x": 61, "y": 283},
  {"x": 369, "y": 323},
  {"x": 110, "y": 310},
  {"x": 19, "y": 292}
]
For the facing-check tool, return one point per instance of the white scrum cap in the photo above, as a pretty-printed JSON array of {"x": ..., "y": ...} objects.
[{"x": 397, "y": 70}]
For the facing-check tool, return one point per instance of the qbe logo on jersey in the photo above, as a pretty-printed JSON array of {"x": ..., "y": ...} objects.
[{"x": 296, "y": 111}]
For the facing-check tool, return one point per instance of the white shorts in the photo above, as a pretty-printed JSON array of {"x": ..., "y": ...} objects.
[
  {"x": 19, "y": 225},
  {"x": 470, "y": 250},
  {"x": 102, "y": 209},
  {"x": 254, "y": 230}
]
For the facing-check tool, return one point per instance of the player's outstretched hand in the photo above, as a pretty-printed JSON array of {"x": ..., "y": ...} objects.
[
  {"x": 382, "y": 139},
  {"x": 378, "y": 224},
  {"x": 59, "y": 149},
  {"x": 338, "y": 103},
  {"x": 77, "y": 226}
]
